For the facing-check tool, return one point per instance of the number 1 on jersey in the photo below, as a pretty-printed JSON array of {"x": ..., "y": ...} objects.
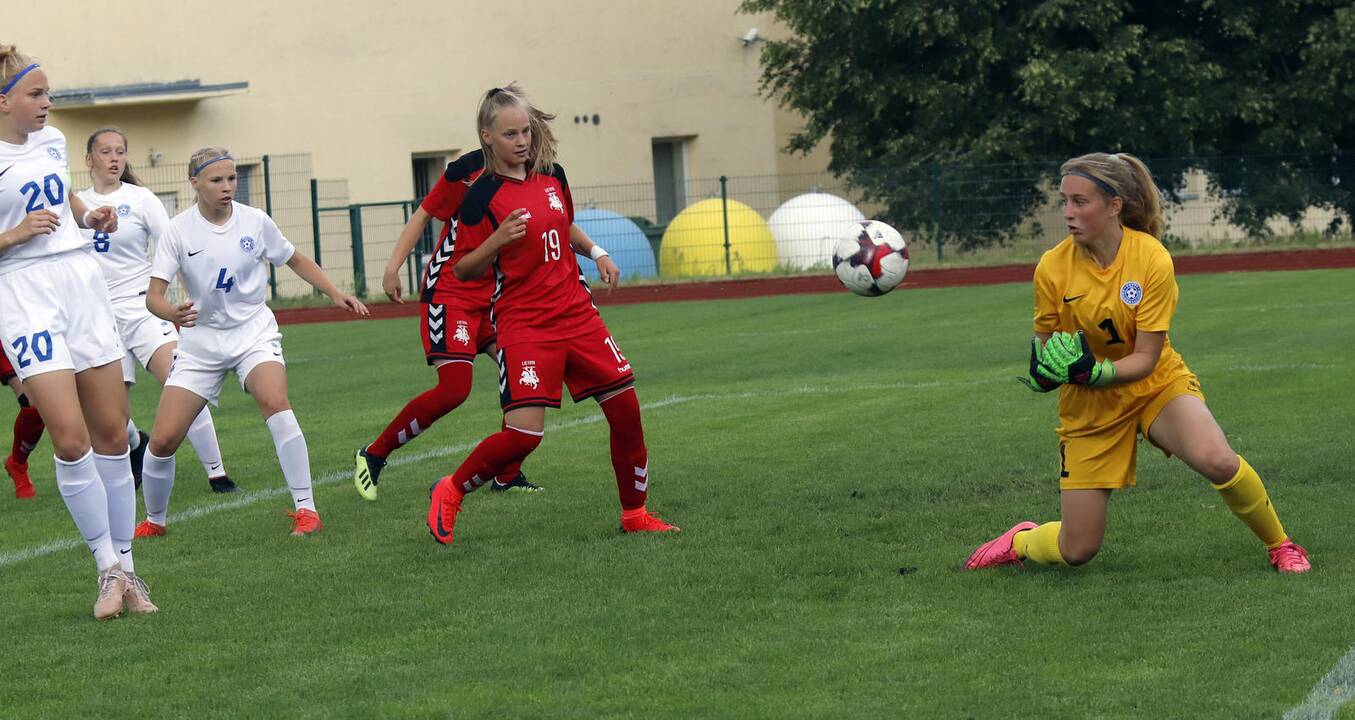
[{"x": 223, "y": 282}]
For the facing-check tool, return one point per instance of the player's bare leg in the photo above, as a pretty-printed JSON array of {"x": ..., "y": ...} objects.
[
  {"x": 201, "y": 433},
  {"x": 178, "y": 406},
  {"x": 267, "y": 384},
  {"x": 1187, "y": 429}
]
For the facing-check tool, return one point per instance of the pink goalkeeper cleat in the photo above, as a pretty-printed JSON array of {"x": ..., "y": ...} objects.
[
  {"x": 997, "y": 551},
  {"x": 1289, "y": 557}
]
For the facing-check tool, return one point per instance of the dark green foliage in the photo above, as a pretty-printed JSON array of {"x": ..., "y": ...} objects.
[{"x": 908, "y": 91}]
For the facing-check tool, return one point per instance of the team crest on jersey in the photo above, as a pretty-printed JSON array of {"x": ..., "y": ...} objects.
[
  {"x": 1131, "y": 293},
  {"x": 247, "y": 243},
  {"x": 462, "y": 334},
  {"x": 554, "y": 200},
  {"x": 56, "y": 153},
  {"x": 124, "y": 210},
  {"x": 529, "y": 377}
]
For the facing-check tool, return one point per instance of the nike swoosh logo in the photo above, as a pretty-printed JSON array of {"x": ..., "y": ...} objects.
[
  {"x": 124, "y": 552},
  {"x": 2, "y": 172},
  {"x": 442, "y": 531},
  {"x": 1070, "y": 299},
  {"x": 167, "y": 331},
  {"x": 191, "y": 253}
]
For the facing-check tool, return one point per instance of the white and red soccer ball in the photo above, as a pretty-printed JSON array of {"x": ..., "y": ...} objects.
[{"x": 870, "y": 258}]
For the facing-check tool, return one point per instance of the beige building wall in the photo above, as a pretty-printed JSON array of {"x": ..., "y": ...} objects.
[{"x": 363, "y": 87}]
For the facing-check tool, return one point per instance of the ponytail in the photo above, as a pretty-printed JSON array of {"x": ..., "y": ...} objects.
[
  {"x": 541, "y": 154},
  {"x": 1127, "y": 178}
]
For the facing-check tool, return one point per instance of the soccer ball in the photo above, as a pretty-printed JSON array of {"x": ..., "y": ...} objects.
[{"x": 871, "y": 258}]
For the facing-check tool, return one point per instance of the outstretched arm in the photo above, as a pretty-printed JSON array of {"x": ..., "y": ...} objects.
[
  {"x": 307, "y": 270},
  {"x": 409, "y": 236}
]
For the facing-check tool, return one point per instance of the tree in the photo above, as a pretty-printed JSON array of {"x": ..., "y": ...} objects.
[{"x": 908, "y": 91}]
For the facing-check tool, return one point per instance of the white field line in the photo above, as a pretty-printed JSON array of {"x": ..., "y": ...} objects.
[
  {"x": 249, "y": 498},
  {"x": 1335, "y": 689}
]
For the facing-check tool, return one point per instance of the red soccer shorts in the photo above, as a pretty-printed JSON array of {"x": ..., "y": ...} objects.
[
  {"x": 6, "y": 370},
  {"x": 453, "y": 333},
  {"x": 531, "y": 374}
]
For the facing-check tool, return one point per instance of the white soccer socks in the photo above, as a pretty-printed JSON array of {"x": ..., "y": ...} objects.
[
  {"x": 85, "y": 498},
  {"x": 202, "y": 435},
  {"x": 157, "y": 483},
  {"x": 116, "y": 473},
  {"x": 293, "y": 457}
]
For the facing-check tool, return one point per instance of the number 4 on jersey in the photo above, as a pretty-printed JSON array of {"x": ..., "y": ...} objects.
[{"x": 223, "y": 282}]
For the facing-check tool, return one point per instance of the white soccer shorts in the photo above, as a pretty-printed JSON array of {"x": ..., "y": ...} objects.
[
  {"x": 206, "y": 354},
  {"x": 142, "y": 334},
  {"x": 55, "y": 315}
]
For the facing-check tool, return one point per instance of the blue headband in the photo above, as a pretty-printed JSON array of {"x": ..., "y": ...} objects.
[
  {"x": 1099, "y": 182},
  {"x": 15, "y": 80},
  {"x": 209, "y": 162}
]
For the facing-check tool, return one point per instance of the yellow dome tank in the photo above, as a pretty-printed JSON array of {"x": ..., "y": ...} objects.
[{"x": 694, "y": 243}]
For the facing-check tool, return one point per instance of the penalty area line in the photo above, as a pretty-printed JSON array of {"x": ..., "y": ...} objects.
[{"x": 1335, "y": 689}]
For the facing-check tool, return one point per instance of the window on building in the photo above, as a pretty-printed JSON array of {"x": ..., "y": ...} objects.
[
  {"x": 170, "y": 199},
  {"x": 670, "y": 178},
  {"x": 428, "y": 167},
  {"x": 244, "y": 181}
]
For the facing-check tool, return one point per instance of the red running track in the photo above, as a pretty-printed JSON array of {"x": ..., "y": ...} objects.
[{"x": 945, "y": 277}]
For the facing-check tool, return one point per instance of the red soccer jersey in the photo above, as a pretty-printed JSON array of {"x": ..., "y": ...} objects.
[
  {"x": 539, "y": 295},
  {"x": 440, "y": 286}
]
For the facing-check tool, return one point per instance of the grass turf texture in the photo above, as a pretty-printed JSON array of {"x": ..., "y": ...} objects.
[{"x": 811, "y": 448}]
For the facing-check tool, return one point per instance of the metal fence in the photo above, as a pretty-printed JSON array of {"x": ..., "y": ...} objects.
[{"x": 731, "y": 226}]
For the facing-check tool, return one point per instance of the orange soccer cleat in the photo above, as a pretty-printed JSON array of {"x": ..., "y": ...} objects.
[
  {"x": 1289, "y": 557},
  {"x": 639, "y": 520},
  {"x": 18, "y": 472},
  {"x": 305, "y": 522},
  {"x": 149, "y": 529},
  {"x": 444, "y": 504},
  {"x": 998, "y": 551}
]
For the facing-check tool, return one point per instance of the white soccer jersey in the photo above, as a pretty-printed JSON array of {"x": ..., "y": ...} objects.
[
  {"x": 33, "y": 176},
  {"x": 123, "y": 256},
  {"x": 223, "y": 266}
]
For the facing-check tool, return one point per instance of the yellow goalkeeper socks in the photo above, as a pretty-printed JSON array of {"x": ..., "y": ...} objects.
[
  {"x": 1040, "y": 544},
  {"x": 1246, "y": 497}
]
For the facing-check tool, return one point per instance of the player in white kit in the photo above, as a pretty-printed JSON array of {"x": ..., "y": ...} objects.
[
  {"x": 59, "y": 333},
  {"x": 222, "y": 249},
  {"x": 124, "y": 258}
]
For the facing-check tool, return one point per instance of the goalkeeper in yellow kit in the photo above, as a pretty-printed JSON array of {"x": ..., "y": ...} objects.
[{"x": 1104, "y": 298}]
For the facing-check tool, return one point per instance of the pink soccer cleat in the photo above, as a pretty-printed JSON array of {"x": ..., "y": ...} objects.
[
  {"x": 444, "y": 504},
  {"x": 1289, "y": 557},
  {"x": 998, "y": 551}
]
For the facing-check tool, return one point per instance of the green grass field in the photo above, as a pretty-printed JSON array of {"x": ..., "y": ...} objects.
[{"x": 831, "y": 459}]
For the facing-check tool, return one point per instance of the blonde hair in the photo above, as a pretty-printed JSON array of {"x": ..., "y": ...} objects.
[
  {"x": 202, "y": 155},
  {"x": 11, "y": 62},
  {"x": 541, "y": 153},
  {"x": 1130, "y": 180}
]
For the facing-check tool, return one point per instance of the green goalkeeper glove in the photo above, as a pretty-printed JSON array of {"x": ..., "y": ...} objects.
[
  {"x": 1070, "y": 356},
  {"x": 1042, "y": 379}
]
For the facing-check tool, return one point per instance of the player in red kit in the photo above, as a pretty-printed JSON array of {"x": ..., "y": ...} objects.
[
  {"x": 515, "y": 225},
  {"x": 28, "y": 429},
  {"x": 454, "y": 325}
]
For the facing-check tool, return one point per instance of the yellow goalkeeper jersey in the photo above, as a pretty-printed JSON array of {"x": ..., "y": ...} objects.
[{"x": 1111, "y": 305}]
